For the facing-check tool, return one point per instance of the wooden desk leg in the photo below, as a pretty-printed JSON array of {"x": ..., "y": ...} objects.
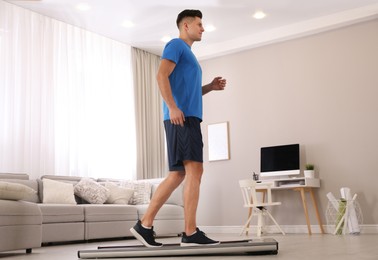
[
  {"x": 303, "y": 195},
  {"x": 316, "y": 211}
]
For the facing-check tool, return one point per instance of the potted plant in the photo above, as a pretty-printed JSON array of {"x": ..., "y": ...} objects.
[{"x": 310, "y": 171}]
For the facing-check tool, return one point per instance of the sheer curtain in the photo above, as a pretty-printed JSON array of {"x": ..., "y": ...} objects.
[
  {"x": 151, "y": 159},
  {"x": 66, "y": 99}
]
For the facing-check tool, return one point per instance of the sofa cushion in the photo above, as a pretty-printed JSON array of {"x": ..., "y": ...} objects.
[
  {"x": 91, "y": 191},
  {"x": 59, "y": 213},
  {"x": 15, "y": 213},
  {"x": 109, "y": 212},
  {"x": 117, "y": 194},
  {"x": 66, "y": 179},
  {"x": 57, "y": 192},
  {"x": 31, "y": 184},
  {"x": 142, "y": 191},
  {"x": 167, "y": 212},
  {"x": 15, "y": 191}
]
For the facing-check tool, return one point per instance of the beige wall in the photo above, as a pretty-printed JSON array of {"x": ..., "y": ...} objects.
[{"x": 320, "y": 91}]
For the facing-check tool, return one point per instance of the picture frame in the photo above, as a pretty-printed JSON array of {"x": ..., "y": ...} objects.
[{"x": 218, "y": 141}]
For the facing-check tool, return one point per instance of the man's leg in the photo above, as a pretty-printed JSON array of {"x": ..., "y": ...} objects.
[
  {"x": 194, "y": 172},
  {"x": 192, "y": 235},
  {"x": 143, "y": 229},
  {"x": 161, "y": 195}
]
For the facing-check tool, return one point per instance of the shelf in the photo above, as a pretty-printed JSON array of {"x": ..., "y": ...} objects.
[{"x": 293, "y": 182}]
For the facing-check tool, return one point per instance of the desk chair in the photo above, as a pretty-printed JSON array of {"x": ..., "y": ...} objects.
[{"x": 249, "y": 190}]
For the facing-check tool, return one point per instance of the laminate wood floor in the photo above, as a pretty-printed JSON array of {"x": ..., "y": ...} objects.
[{"x": 291, "y": 247}]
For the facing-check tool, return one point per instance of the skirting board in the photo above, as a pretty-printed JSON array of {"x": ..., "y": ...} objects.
[{"x": 288, "y": 229}]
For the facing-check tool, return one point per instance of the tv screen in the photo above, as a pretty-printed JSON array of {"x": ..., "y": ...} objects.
[{"x": 280, "y": 160}]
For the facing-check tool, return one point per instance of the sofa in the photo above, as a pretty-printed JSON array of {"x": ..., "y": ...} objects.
[{"x": 55, "y": 209}]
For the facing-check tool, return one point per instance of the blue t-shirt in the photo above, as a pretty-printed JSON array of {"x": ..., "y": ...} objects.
[{"x": 185, "y": 79}]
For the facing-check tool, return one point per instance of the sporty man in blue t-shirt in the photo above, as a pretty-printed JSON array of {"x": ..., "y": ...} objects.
[{"x": 180, "y": 82}]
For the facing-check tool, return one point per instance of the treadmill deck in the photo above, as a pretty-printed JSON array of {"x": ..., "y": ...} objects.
[{"x": 253, "y": 246}]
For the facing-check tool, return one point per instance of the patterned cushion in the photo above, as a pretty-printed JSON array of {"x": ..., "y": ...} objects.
[
  {"x": 91, "y": 191},
  {"x": 142, "y": 191},
  {"x": 118, "y": 195}
]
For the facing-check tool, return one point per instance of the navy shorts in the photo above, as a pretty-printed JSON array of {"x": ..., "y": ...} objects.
[{"x": 183, "y": 143}]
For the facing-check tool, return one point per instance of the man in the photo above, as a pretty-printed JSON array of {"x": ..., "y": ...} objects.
[{"x": 180, "y": 79}]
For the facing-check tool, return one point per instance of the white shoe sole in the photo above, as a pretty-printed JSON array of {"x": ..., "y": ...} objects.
[
  {"x": 140, "y": 238},
  {"x": 195, "y": 244}
]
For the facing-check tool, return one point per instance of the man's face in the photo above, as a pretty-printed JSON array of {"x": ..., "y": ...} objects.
[{"x": 195, "y": 28}]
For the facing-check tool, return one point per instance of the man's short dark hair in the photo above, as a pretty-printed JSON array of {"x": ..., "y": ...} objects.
[{"x": 188, "y": 13}]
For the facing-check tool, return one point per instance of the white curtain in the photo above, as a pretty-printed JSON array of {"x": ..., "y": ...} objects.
[
  {"x": 151, "y": 159},
  {"x": 66, "y": 99}
]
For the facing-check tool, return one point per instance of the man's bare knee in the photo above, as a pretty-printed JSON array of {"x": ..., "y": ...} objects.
[
  {"x": 193, "y": 167},
  {"x": 176, "y": 178}
]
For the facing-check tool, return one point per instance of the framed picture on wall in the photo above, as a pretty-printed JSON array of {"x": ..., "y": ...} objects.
[{"x": 218, "y": 141}]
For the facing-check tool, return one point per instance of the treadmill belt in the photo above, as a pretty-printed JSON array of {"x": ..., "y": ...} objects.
[{"x": 167, "y": 245}]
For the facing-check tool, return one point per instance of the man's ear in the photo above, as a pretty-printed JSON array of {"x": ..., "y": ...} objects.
[{"x": 185, "y": 25}]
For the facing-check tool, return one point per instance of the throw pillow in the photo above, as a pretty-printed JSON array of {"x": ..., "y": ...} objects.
[
  {"x": 118, "y": 195},
  {"x": 57, "y": 192},
  {"x": 15, "y": 191},
  {"x": 91, "y": 191},
  {"x": 142, "y": 191}
]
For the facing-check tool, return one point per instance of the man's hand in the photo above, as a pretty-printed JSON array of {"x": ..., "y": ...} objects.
[
  {"x": 177, "y": 116},
  {"x": 218, "y": 83}
]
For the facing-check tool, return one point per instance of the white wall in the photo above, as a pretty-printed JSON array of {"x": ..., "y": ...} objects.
[{"x": 320, "y": 91}]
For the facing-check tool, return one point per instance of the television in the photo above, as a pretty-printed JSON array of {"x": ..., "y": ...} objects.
[{"x": 281, "y": 160}]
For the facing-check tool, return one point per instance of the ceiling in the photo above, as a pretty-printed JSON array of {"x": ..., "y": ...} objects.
[{"x": 236, "y": 29}]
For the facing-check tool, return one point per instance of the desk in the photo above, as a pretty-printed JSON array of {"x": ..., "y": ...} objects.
[{"x": 301, "y": 185}]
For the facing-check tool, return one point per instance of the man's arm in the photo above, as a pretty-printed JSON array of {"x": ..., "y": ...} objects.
[
  {"x": 166, "y": 67},
  {"x": 217, "y": 84}
]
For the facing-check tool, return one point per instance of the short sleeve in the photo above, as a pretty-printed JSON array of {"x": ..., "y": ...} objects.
[{"x": 173, "y": 50}]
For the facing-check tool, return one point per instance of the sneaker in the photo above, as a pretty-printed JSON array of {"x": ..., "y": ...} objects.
[
  {"x": 197, "y": 239},
  {"x": 145, "y": 235}
]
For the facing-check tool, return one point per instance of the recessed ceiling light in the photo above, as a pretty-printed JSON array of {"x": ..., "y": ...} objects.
[
  {"x": 259, "y": 15},
  {"x": 210, "y": 28},
  {"x": 166, "y": 39},
  {"x": 83, "y": 7},
  {"x": 128, "y": 24}
]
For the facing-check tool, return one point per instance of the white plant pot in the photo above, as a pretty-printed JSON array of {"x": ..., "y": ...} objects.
[{"x": 309, "y": 173}]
